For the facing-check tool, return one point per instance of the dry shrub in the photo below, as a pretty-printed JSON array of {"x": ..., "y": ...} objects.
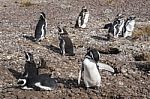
[
  {"x": 142, "y": 32},
  {"x": 142, "y": 57},
  {"x": 26, "y": 3}
]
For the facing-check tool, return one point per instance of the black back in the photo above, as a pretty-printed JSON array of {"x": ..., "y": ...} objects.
[
  {"x": 81, "y": 14},
  {"x": 30, "y": 66},
  {"x": 41, "y": 23},
  {"x": 46, "y": 80},
  {"x": 68, "y": 45}
]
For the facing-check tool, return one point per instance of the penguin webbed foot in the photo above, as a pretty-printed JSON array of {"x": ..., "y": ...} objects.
[
  {"x": 98, "y": 90},
  {"x": 87, "y": 89}
]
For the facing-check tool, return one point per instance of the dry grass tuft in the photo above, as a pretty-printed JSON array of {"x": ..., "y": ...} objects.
[
  {"x": 111, "y": 2},
  {"x": 142, "y": 57},
  {"x": 26, "y": 3},
  {"x": 142, "y": 32}
]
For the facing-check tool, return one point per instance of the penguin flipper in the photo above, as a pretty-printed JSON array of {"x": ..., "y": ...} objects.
[{"x": 105, "y": 67}]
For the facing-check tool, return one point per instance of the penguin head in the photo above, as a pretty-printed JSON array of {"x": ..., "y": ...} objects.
[
  {"x": 131, "y": 18},
  {"x": 22, "y": 81},
  {"x": 62, "y": 30},
  {"x": 119, "y": 16},
  {"x": 28, "y": 56},
  {"x": 84, "y": 9},
  {"x": 42, "y": 15},
  {"x": 59, "y": 29},
  {"x": 93, "y": 54}
]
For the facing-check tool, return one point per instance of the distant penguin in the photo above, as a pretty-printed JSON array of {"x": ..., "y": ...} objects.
[
  {"x": 90, "y": 69},
  {"x": 65, "y": 43},
  {"x": 82, "y": 18},
  {"x": 41, "y": 26},
  {"x": 30, "y": 66},
  {"x": 37, "y": 82},
  {"x": 129, "y": 27},
  {"x": 118, "y": 25}
]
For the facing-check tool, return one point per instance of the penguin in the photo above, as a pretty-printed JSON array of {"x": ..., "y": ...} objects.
[
  {"x": 31, "y": 79},
  {"x": 65, "y": 43},
  {"x": 40, "y": 31},
  {"x": 30, "y": 66},
  {"x": 82, "y": 18},
  {"x": 129, "y": 26},
  {"x": 90, "y": 69},
  {"x": 37, "y": 82},
  {"x": 118, "y": 25}
]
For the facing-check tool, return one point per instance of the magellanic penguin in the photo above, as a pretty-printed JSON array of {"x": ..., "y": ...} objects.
[
  {"x": 30, "y": 79},
  {"x": 37, "y": 82},
  {"x": 90, "y": 69},
  {"x": 40, "y": 31},
  {"x": 65, "y": 43},
  {"x": 118, "y": 25},
  {"x": 30, "y": 66},
  {"x": 82, "y": 18},
  {"x": 129, "y": 27}
]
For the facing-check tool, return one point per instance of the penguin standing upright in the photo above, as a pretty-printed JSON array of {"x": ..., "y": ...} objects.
[
  {"x": 41, "y": 26},
  {"x": 90, "y": 69},
  {"x": 129, "y": 27},
  {"x": 82, "y": 18},
  {"x": 118, "y": 25},
  {"x": 30, "y": 66},
  {"x": 65, "y": 43}
]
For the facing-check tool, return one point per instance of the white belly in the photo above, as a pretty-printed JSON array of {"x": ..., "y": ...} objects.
[
  {"x": 129, "y": 28},
  {"x": 91, "y": 74},
  {"x": 85, "y": 20}
]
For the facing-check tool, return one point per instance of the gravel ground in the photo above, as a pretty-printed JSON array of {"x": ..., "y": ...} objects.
[{"x": 17, "y": 22}]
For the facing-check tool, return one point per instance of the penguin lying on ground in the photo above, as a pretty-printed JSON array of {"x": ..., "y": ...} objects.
[
  {"x": 37, "y": 82},
  {"x": 65, "y": 43},
  {"x": 41, "y": 26},
  {"x": 82, "y": 18},
  {"x": 32, "y": 80},
  {"x": 90, "y": 69},
  {"x": 129, "y": 27}
]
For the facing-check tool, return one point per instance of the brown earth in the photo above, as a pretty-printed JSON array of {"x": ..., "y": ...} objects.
[{"x": 18, "y": 22}]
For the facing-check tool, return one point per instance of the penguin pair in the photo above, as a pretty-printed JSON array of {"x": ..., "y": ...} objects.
[
  {"x": 118, "y": 26},
  {"x": 65, "y": 43},
  {"x": 32, "y": 80},
  {"x": 90, "y": 69},
  {"x": 82, "y": 18},
  {"x": 122, "y": 27},
  {"x": 40, "y": 31}
]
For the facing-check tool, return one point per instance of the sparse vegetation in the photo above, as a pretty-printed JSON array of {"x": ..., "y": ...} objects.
[
  {"x": 26, "y": 3},
  {"x": 142, "y": 32},
  {"x": 142, "y": 57},
  {"x": 110, "y": 2}
]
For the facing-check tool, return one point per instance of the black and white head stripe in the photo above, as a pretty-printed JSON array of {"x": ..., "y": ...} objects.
[
  {"x": 93, "y": 54},
  {"x": 43, "y": 15},
  {"x": 22, "y": 82},
  {"x": 62, "y": 30},
  {"x": 28, "y": 56}
]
